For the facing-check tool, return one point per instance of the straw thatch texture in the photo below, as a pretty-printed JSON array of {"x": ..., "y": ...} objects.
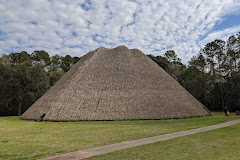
[{"x": 115, "y": 84}]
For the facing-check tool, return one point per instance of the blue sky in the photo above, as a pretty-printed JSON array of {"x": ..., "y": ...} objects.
[{"x": 78, "y": 26}]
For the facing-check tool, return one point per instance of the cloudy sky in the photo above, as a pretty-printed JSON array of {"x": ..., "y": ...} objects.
[{"x": 77, "y": 26}]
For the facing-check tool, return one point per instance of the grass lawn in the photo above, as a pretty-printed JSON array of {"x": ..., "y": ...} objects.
[
  {"x": 20, "y": 139},
  {"x": 219, "y": 144}
]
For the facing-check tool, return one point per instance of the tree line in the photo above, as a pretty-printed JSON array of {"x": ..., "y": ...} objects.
[
  {"x": 26, "y": 77},
  {"x": 212, "y": 77}
]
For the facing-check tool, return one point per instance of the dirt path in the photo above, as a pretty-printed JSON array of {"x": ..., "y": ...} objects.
[{"x": 128, "y": 144}]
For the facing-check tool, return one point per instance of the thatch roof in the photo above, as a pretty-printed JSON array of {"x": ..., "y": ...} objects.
[{"x": 115, "y": 84}]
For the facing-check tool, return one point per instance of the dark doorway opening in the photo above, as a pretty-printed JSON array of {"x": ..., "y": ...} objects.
[{"x": 40, "y": 119}]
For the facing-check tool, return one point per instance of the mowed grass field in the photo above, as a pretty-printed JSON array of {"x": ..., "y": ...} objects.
[
  {"x": 219, "y": 144},
  {"x": 20, "y": 139}
]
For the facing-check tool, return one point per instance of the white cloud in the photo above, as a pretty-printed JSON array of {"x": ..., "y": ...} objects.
[
  {"x": 76, "y": 27},
  {"x": 223, "y": 34}
]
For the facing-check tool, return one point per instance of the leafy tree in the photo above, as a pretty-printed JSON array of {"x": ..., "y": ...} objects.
[
  {"x": 22, "y": 58},
  {"x": 212, "y": 76},
  {"x": 24, "y": 78},
  {"x": 233, "y": 53},
  {"x": 76, "y": 59},
  {"x": 194, "y": 81},
  {"x": 171, "y": 56},
  {"x": 66, "y": 63},
  {"x": 55, "y": 76},
  {"x": 40, "y": 57},
  {"x": 18, "y": 79},
  {"x": 175, "y": 66},
  {"x": 198, "y": 62},
  {"x": 161, "y": 61},
  {"x": 55, "y": 63},
  {"x": 214, "y": 53},
  {"x": 38, "y": 85},
  {"x": 170, "y": 63},
  {"x": 6, "y": 87}
]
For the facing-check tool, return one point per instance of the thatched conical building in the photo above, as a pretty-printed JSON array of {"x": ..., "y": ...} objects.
[{"x": 115, "y": 84}]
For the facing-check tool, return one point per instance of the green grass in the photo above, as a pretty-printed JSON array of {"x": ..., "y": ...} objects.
[
  {"x": 20, "y": 139},
  {"x": 219, "y": 144}
]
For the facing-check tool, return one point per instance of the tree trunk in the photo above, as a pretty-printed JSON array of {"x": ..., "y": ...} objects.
[
  {"x": 19, "y": 109},
  {"x": 222, "y": 96}
]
